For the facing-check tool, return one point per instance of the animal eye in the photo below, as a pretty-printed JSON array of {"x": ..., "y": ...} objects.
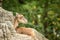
[{"x": 21, "y": 17}]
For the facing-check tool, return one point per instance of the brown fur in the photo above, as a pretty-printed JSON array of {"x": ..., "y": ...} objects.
[
  {"x": 19, "y": 18},
  {"x": 27, "y": 31},
  {"x": 23, "y": 30}
]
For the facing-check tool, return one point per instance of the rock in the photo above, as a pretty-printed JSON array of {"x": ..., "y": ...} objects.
[
  {"x": 38, "y": 35},
  {"x": 6, "y": 34},
  {"x": 7, "y": 31},
  {"x": 6, "y": 15}
]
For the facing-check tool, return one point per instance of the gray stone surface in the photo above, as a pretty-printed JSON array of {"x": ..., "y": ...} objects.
[
  {"x": 7, "y": 31},
  {"x": 9, "y": 34},
  {"x": 6, "y": 15}
]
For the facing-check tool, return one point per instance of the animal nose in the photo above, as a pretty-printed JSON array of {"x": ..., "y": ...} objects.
[{"x": 26, "y": 21}]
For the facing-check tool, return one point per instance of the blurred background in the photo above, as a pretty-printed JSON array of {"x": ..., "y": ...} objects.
[{"x": 42, "y": 15}]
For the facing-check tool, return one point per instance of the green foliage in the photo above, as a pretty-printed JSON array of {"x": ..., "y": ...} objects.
[{"x": 35, "y": 11}]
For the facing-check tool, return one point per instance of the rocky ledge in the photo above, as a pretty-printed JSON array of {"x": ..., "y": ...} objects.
[{"x": 7, "y": 31}]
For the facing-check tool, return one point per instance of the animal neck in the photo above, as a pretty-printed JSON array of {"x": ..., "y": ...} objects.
[{"x": 15, "y": 22}]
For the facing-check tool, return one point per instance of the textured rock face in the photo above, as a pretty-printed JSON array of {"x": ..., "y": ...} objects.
[
  {"x": 6, "y": 15},
  {"x": 7, "y": 31}
]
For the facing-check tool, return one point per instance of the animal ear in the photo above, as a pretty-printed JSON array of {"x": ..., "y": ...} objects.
[{"x": 17, "y": 14}]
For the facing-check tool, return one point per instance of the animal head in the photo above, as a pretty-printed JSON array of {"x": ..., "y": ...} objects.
[{"x": 21, "y": 18}]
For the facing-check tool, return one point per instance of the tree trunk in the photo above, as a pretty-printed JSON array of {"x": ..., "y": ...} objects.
[
  {"x": 1, "y": 3},
  {"x": 45, "y": 15}
]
